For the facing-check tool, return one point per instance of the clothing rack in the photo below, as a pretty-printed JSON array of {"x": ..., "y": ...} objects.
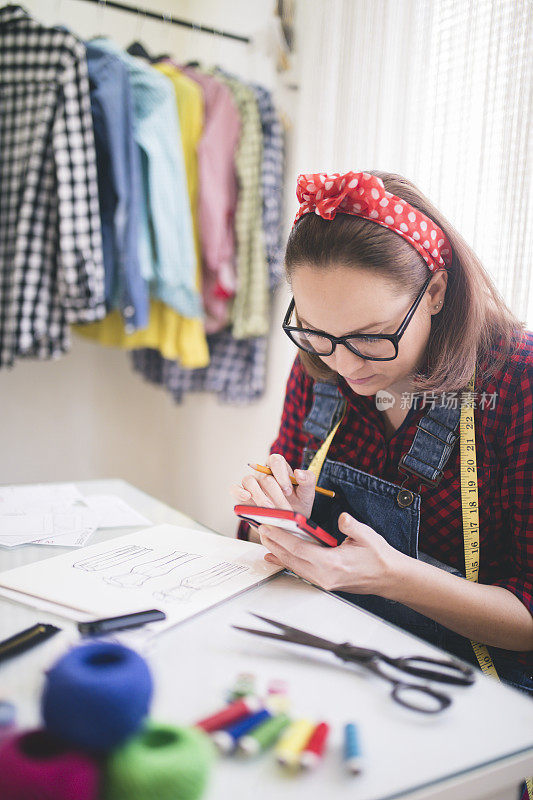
[{"x": 170, "y": 19}]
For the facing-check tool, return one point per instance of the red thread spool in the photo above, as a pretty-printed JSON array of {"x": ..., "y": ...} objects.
[
  {"x": 315, "y": 746},
  {"x": 231, "y": 713}
]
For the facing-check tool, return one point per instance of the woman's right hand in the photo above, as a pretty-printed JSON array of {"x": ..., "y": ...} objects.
[{"x": 276, "y": 490}]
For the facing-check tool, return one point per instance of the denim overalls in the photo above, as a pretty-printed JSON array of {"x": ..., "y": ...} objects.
[{"x": 394, "y": 512}]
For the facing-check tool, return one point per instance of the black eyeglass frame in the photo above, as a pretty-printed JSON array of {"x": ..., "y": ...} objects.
[{"x": 335, "y": 340}]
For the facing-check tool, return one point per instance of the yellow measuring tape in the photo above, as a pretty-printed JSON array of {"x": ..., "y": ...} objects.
[
  {"x": 320, "y": 456},
  {"x": 470, "y": 508}
]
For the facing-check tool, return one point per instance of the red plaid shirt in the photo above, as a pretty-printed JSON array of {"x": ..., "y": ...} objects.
[{"x": 504, "y": 447}]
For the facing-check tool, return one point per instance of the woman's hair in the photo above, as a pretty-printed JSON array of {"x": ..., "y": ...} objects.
[{"x": 474, "y": 316}]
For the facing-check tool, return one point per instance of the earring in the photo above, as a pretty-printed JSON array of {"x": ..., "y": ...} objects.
[{"x": 438, "y": 304}]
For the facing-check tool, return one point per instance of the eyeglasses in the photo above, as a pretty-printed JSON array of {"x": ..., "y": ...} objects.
[{"x": 371, "y": 347}]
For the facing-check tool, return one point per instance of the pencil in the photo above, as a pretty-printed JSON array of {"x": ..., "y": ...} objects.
[{"x": 268, "y": 471}]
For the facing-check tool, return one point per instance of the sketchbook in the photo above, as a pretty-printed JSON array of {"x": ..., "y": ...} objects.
[{"x": 178, "y": 570}]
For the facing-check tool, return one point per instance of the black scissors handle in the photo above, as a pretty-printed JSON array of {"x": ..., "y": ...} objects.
[
  {"x": 414, "y": 696},
  {"x": 426, "y": 700},
  {"x": 442, "y": 670}
]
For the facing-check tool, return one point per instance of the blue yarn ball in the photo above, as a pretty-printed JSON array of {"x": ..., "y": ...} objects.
[{"x": 97, "y": 695}]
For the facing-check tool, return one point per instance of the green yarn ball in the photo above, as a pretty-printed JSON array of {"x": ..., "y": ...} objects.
[{"x": 162, "y": 762}]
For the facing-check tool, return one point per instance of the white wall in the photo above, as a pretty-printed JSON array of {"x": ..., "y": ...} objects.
[{"x": 89, "y": 415}]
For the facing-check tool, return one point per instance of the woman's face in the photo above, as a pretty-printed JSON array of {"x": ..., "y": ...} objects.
[{"x": 343, "y": 301}]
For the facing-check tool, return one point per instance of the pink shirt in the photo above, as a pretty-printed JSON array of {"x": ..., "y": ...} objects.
[{"x": 217, "y": 197}]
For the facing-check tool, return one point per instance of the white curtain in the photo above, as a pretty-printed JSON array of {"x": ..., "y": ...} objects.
[{"x": 436, "y": 90}]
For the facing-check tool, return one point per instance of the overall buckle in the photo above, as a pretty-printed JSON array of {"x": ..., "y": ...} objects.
[{"x": 402, "y": 467}]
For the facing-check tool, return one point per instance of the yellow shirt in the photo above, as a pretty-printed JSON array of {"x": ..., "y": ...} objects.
[{"x": 176, "y": 337}]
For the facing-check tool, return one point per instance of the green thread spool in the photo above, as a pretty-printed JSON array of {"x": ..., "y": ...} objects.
[
  {"x": 264, "y": 736},
  {"x": 244, "y": 685},
  {"x": 162, "y": 762}
]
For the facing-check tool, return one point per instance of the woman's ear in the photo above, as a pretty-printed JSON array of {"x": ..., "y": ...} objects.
[{"x": 437, "y": 290}]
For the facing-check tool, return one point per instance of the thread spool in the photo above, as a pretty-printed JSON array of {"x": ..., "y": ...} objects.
[
  {"x": 227, "y": 739},
  {"x": 160, "y": 763},
  {"x": 278, "y": 698},
  {"x": 293, "y": 741},
  {"x": 229, "y": 714},
  {"x": 35, "y": 765},
  {"x": 244, "y": 685},
  {"x": 315, "y": 747},
  {"x": 352, "y": 749},
  {"x": 264, "y": 736},
  {"x": 97, "y": 695}
]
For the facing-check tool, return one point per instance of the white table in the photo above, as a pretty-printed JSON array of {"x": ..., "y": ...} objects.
[{"x": 480, "y": 747}]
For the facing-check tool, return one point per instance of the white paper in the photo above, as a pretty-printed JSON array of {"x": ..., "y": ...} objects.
[
  {"x": 58, "y": 514},
  {"x": 42, "y": 497},
  {"x": 114, "y": 512},
  {"x": 65, "y": 529},
  {"x": 178, "y": 570}
]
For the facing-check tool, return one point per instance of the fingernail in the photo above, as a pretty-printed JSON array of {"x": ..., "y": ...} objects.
[{"x": 300, "y": 475}]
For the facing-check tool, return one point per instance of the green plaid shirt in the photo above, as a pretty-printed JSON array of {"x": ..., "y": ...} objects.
[{"x": 250, "y": 310}]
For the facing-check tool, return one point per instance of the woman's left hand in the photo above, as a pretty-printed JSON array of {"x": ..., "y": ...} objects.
[{"x": 365, "y": 563}]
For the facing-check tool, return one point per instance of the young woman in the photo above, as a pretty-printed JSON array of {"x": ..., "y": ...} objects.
[{"x": 393, "y": 315}]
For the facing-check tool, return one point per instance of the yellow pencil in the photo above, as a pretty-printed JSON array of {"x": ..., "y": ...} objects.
[{"x": 268, "y": 471}]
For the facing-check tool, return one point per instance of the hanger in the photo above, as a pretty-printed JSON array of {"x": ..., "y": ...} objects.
[
  {"x": 138, "y": 49},
  {"x": 162, "y": 57},
  {"x": 194, "y": 64},
  {"x": 167, "y": 17}
]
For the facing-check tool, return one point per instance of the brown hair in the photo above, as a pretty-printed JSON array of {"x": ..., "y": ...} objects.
[{"x": 474, "y": 315}]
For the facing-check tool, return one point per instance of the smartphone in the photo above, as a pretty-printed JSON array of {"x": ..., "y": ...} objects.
[{"x": 288, "y": 520}]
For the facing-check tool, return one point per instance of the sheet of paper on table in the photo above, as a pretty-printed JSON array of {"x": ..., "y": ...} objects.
[
  {"x": 58, "y": 514},
  {"x": 178, "y": 570}
]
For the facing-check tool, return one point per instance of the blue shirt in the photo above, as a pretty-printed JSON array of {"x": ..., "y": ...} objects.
[
  {"x": 119, "y": 185},
  {"x": 166, "y": 244}
]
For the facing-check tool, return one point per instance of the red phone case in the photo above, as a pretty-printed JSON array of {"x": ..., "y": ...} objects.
[{"x": 277, "y": 516}]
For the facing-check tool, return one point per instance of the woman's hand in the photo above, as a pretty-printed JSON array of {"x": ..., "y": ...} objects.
[
  {"x": 276, "y": 490},
  {"x": 365, "y": 563}
]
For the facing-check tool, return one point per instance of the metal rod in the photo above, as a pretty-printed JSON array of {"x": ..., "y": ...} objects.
[{"x": 168, "y": 18}]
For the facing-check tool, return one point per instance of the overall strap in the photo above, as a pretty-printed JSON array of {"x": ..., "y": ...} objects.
[
  {"x": 323, "y": 420},
  {"x": 326, "y": 411},
  {"x": 432, "y": 445}
]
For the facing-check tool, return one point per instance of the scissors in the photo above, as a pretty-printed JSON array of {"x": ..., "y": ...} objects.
[{"x": 415, "y": 696}]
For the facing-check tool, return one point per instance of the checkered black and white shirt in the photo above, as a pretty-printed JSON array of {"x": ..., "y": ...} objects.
[
  {"x": 236, "y": 372},
  {"x": 51, "y": 263}
]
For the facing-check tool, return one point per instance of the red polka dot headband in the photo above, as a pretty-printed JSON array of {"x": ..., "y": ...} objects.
[{"x": 364, "y": 195}]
